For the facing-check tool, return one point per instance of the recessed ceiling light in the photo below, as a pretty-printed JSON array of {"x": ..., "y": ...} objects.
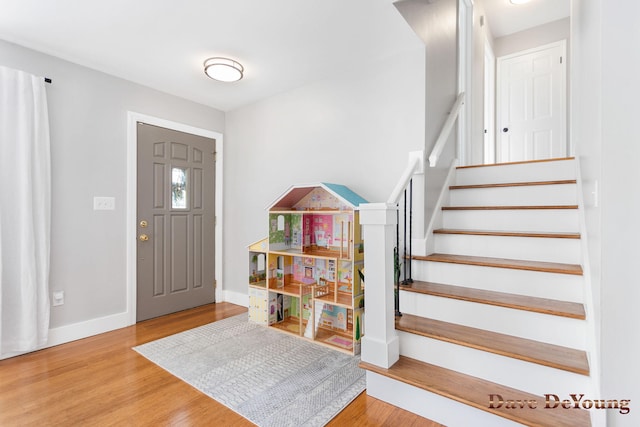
[
  {"x": 519, "y": 1},
  {"x": 223, "y": 69}
]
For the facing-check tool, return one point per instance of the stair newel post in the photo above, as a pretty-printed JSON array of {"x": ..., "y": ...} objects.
[
  {"x": 380, "y": 345},
  {"x": 396, "y": 266}
]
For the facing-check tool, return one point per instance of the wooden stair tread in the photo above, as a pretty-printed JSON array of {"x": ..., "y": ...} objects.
[
  {"x": 556, "y": 235},
  {"x": 572, "y": 310},
  {"x": 512, "y": 184},
  {"x": 515, "y": 264},
  {"x": 517, "y": 207},
  {"x": 567, "y": 359},
  {"x": 556, "y": 159},
  {"x": 475, "y": 392}
]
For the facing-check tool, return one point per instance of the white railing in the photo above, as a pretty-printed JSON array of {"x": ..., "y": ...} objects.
[
  {"x": 380, "y": 344},
  {"x": 446, "y": 130},
  {"x": 415, "y": 165}
]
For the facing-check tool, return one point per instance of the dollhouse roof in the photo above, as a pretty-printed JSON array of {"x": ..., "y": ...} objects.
[{"x": 296, "y": 193}]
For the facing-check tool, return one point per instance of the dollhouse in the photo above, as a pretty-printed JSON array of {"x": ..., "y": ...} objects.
[{"x": 306, "y": 278}]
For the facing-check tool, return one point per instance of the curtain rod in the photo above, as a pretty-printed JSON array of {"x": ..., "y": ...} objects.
[{"x": 47, "y": 80}]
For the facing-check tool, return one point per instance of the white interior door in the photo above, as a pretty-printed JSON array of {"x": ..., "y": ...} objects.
[{"x": 531, "y": 110}]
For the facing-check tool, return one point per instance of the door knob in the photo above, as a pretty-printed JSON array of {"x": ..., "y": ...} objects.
[
  {"x": 143, "y": 237},
  {"x": 505, "y": 129}
]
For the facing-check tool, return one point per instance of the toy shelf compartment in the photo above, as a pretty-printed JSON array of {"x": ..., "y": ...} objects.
[
  {"x": 329, "y": 293},
  {"x": 322, "y": 233},
  {"x": 292, "y": 288},
  {"x": 291, "y": 325},
  {"x": 258, "y": 265},
  {"x": 262, "y": 284},
  {"x": 337, "y": 326},
  {"x": 319, "y": 254}
]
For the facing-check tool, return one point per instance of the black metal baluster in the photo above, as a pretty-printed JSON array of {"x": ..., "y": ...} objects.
[
  {"x": 396, "y": 265},
  {"x": 410, "y": 278},
  {"x": 404, "y": 241}
]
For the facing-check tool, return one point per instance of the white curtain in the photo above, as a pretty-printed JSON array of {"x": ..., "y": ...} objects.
[{"x": 25, "y": 212}]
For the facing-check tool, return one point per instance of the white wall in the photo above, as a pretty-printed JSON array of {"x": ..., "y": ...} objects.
[
  {"x": 533, "y": 37},
  {"x": 440, "y": 37},
  {"x": 88, "y": 118},
  {"x": 620, "y": 201},
  {"x": 586, "y": 142},
  {"x": 436, "y": 24},
  {"x": 605, "y": 136},
  {"x": 354, "y": 130}
]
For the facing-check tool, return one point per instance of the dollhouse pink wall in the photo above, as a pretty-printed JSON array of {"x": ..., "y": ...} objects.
[
  {"x": 322, "y": 230},
  {"x": 316, "y": 227}
]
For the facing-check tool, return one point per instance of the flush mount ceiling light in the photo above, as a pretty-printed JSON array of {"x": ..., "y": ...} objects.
[
  {"x": 519, "y": 1},
  {"x": 223, "y": 69}
]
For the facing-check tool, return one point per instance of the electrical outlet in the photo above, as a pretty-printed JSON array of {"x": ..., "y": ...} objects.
[
  {"x": 104, "y": 203},
  {"x": 58, "y": 298}
]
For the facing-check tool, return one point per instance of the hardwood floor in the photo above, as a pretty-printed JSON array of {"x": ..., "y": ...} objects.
[{"x": 100, "y": 381}]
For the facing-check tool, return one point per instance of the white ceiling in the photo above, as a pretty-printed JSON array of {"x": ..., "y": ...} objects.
[
  {"x": 283, "y": 44},
  {"x": 505, "y": 18}
]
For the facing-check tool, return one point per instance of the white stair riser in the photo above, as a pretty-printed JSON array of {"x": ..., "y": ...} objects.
[
  {"x": 430, "y": 405},
  {"x": 556, "y": 330},
  {"x": 524, "y": 248},
  {"x": 521, "y": 375},
  {"x": 560, "y": 194},
  {"x": 534, "y": 220},
  {"x": 528, "y": 172},
  {"x": 563, "y": 287}
]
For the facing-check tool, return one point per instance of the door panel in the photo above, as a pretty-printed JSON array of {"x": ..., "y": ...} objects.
[
  {"x": 531, "y": 111},
  {"x": 176, "y": 182}
]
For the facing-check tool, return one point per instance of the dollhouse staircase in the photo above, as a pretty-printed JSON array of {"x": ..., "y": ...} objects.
[{"x": 495, "y": 323}]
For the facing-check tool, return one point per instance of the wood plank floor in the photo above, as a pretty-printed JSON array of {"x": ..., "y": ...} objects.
[
  {"x": 512, "y": 184},
  {"x": 515, "y": 264},
  {"x": 507, "y": 208},
  {"x": 545, "y": 354},
  {"x": 568, "y": 309},
  {"x": 488, "y": 165},
  {"x": 475, "y": 392},
  {"x": 499, "y": 233},
  {"x": 100, "y": 381}
]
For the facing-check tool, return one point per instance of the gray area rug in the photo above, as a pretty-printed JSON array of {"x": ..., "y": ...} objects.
[{"x": 268, "y": 377}]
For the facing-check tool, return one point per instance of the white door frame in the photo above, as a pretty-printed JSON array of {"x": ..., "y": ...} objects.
[
  {"x": 132, "y": 189},
  {"x": 465, "y": 64},
  {"x": 489, "y": 114}
]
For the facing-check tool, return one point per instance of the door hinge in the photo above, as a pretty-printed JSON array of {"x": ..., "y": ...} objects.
[
  {"x": 215, "y": 156},
  {"x": 215, "y": 284},
  {"x": 561, "y": 59}
]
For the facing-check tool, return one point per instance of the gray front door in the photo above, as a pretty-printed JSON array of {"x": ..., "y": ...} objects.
[{"x": 176, "y": 221}]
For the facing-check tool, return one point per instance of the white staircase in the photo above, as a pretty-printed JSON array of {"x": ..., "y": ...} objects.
[{"x": 499, "y": 306}]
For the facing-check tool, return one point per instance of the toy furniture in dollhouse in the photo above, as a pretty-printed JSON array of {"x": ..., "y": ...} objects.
[{"x": 313, "y": 258}]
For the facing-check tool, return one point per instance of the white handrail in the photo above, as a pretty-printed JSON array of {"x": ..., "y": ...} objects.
[
  {"x": 413, "y": 165},
  {"x": 446, "y": 130}
]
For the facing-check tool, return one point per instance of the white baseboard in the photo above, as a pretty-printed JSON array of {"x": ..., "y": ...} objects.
[
  {"x": 76, "y": 331},
  {"x": 235, "y": 298},
  {"x": 88, "y": 328}
]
